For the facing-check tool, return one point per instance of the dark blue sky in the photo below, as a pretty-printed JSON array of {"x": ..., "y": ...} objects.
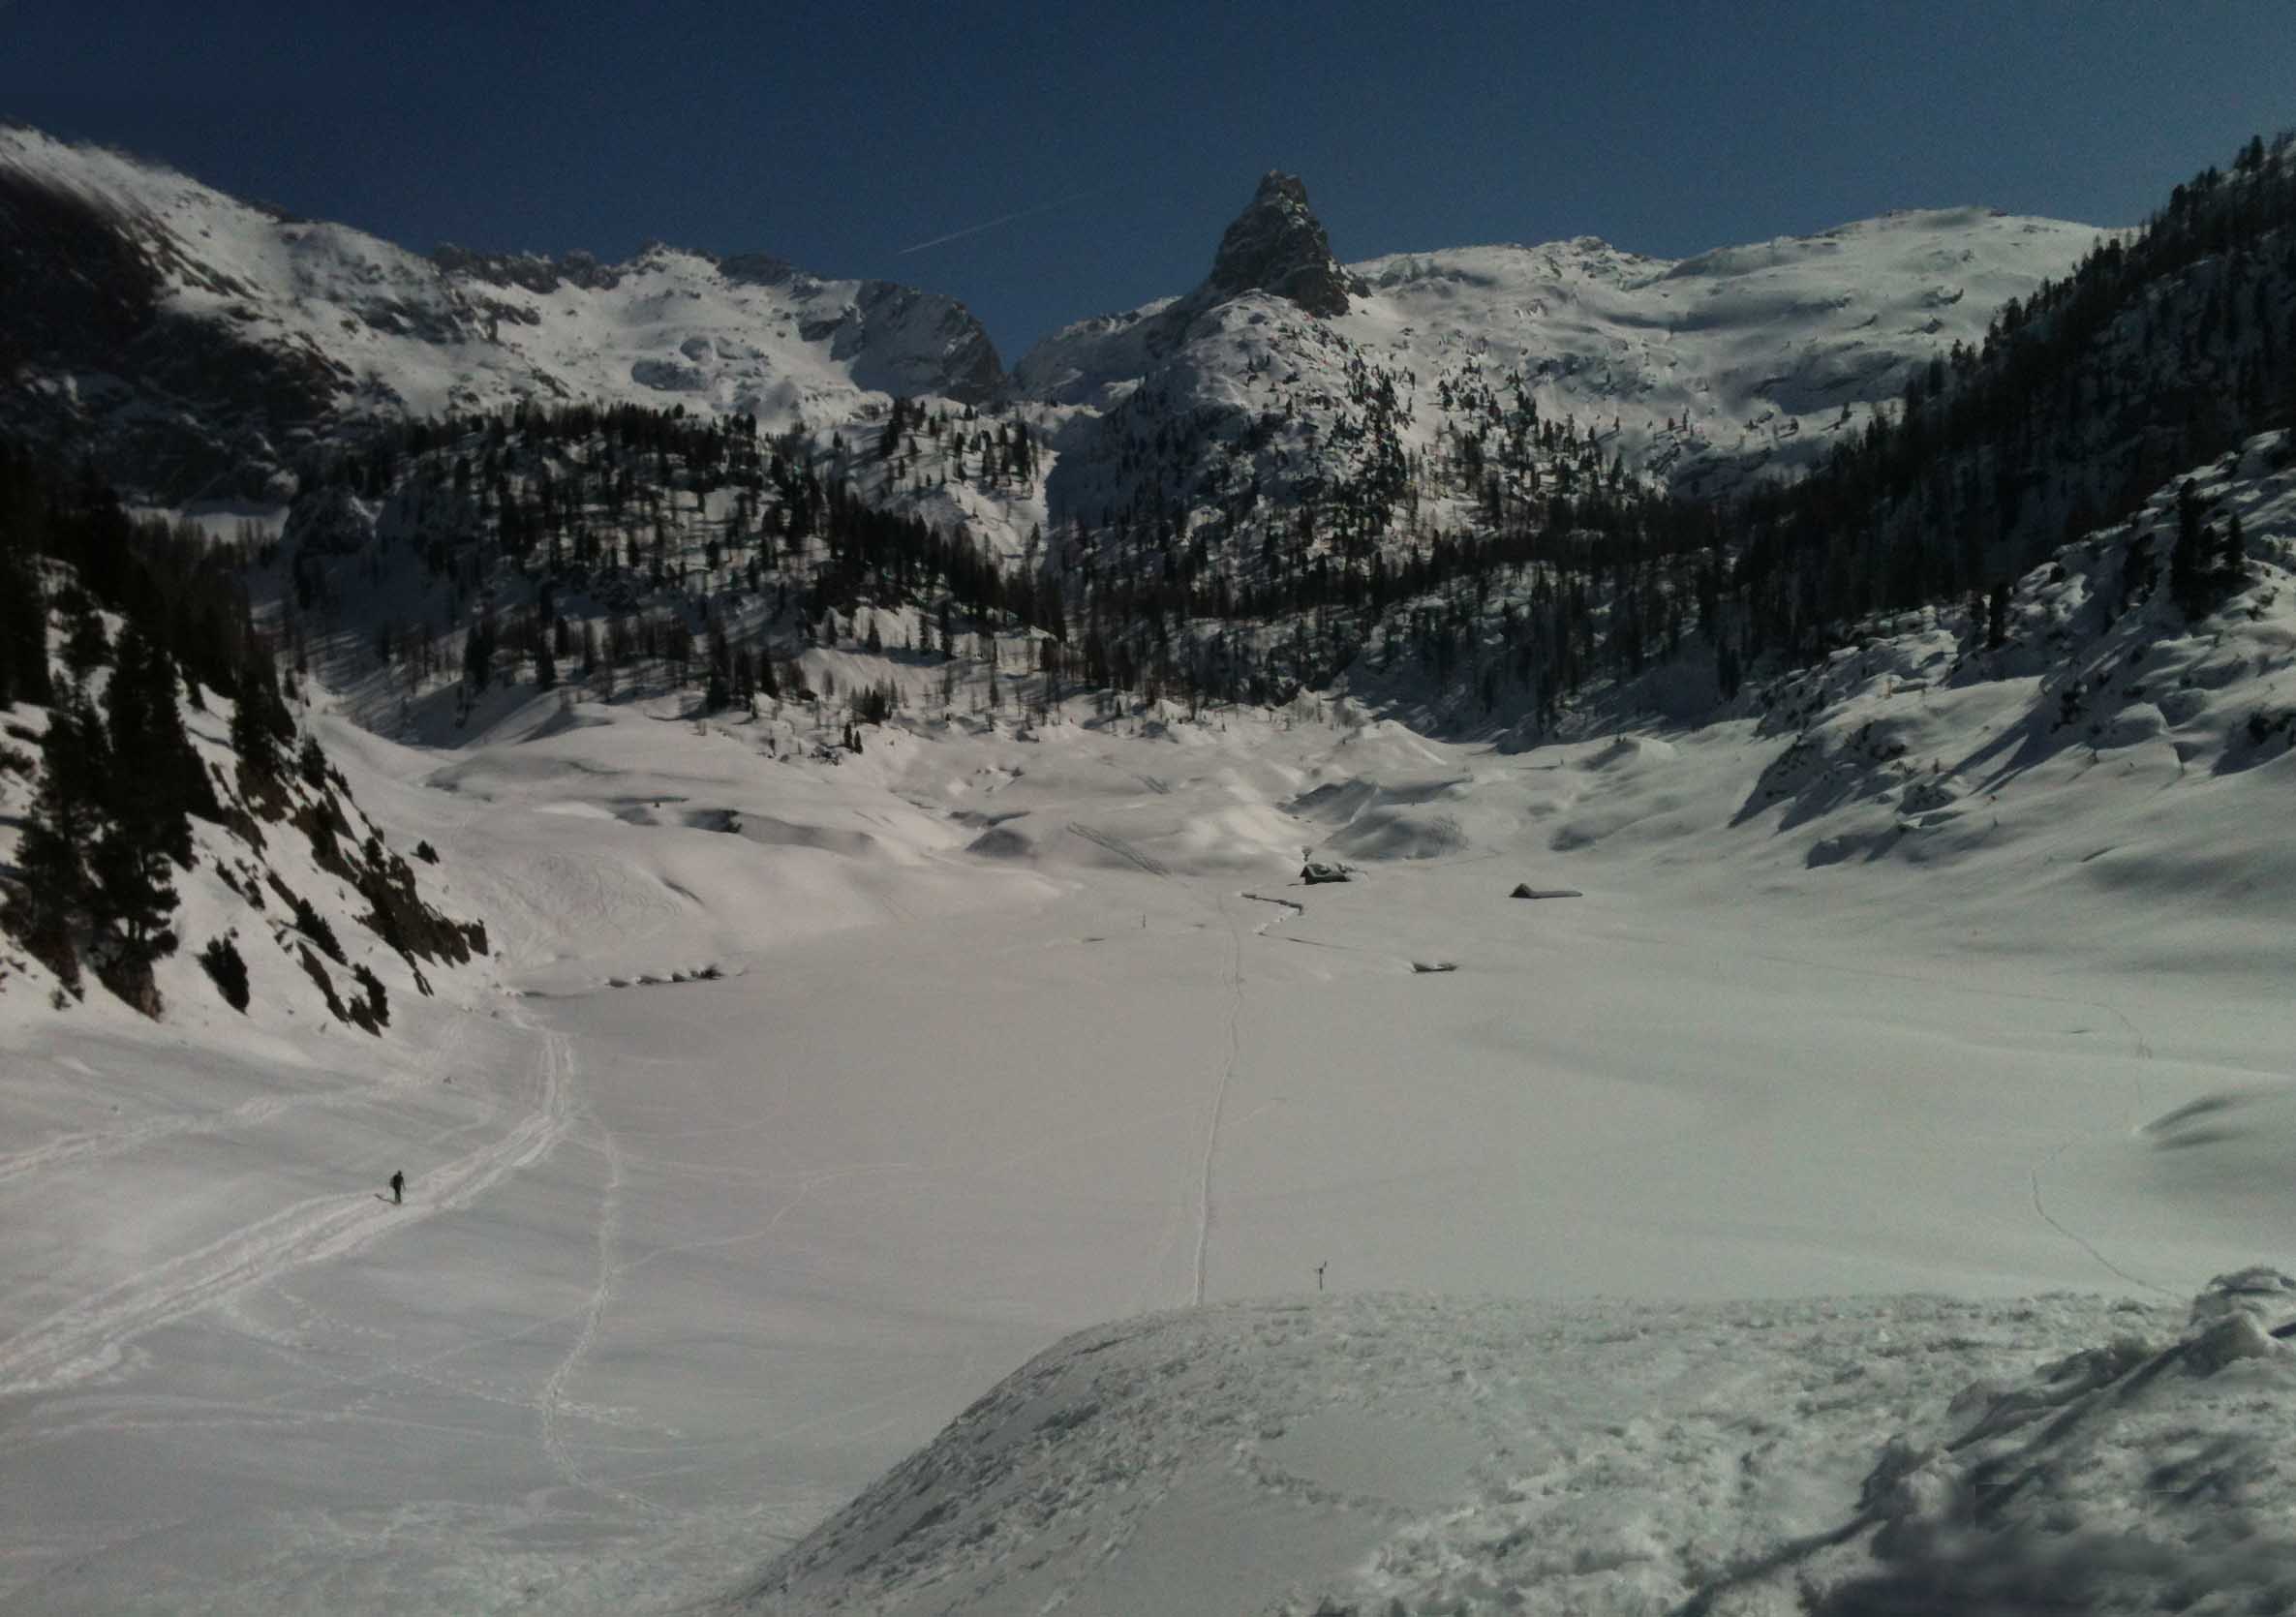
[{"x": 838, "y": 135}]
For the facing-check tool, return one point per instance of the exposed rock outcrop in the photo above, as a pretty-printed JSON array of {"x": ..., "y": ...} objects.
[{"x": 1277, "y": 245}]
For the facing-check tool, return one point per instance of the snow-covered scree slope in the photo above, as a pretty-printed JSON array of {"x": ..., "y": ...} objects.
[
  {"x": 1387, "y": 1455},
  {"x": 195, "y": 340}
]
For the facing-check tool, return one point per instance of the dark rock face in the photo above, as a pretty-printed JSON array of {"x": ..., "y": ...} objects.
[
  {"x": 907, "y": 341},
  {"x": 173, "y": 405},
  {"x": 535, "y": 273},
  {"x": 1277, "y": 245}
]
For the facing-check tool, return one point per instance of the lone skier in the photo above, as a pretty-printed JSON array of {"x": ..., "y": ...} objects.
[{"x": 398, "y": 1188}]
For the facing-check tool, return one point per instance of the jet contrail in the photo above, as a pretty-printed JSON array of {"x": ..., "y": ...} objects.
[{"x": 991, "y": 224}]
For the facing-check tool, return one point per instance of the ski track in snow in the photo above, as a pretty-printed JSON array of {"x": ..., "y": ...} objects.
[
  {"x": 2132, "y": 1118},
  {"x": 1219, "y": 1100},
  {"x": 1119, "y": 847},
  {"x": 83, "y": 1151},
  {"x": 551, "y": 1405},
  {"x": 92, "y": 1335},
  {"x": 2138, "y": 1111}
]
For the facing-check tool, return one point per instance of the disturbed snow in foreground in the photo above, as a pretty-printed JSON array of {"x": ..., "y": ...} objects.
[
  {"x": 1009, "y": 1041},
  {"x": 1436, "y": 1454}
]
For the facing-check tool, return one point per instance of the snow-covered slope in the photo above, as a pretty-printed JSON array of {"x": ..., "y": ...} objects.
[
  {"x": 1758, "y": 355},
  {"x": 196, "y": 341},
  {"x": 331, "y": 924},
  {"x": 1364, "y": 1455},
  {"x": 1906, "y": 743},
  {"x": 1700, "y": 373},
  {"x": 999, "y": 1029}
]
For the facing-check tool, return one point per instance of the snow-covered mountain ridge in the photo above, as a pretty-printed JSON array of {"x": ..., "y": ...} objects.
[
  {"x": 199, "y": 343},
  {"x": 196, "y": 343},
  {"x": 1697, "y": 372},
  {"x": 851, "y": 1051}
]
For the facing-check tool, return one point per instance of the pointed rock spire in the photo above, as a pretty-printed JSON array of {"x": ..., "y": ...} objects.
[{"x": 1277, "y": 245}]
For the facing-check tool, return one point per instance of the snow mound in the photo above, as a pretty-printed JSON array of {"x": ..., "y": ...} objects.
[
  {"x": 1002, "y": 841},
  {"x": 1386, "y": 1453},
  {"x": 1402, "y": 834},
  {"x": 1629, "y": 753}
]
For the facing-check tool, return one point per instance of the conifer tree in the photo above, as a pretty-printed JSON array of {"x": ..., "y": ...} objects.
[
  {"x": 260, "y": 720},
  {"x": 173, "y": 756},
  {"x": 86, "y": 646},
  {"x": 159, "y": 780},
  {"x": 132, "y": 901},
  {"x": 2187, "y": 567},
  {"x": 52, "y": 891},
  {"x": 24, "y": 634},
  {"x": 78, "y": 754}
]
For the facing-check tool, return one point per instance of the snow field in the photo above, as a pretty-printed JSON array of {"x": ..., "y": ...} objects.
[{"x": 685, "y": 1264}]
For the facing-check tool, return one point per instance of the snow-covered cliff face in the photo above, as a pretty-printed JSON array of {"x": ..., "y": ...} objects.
[
  {"x": 1700, "y": 373},
  {"x": 194, "y": 342}
]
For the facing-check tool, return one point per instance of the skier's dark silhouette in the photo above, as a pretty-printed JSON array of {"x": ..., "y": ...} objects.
[{"x": 398, "y": 1187}]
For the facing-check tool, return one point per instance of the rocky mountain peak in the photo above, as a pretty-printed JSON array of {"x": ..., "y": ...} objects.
[{"x": 1277, "y": 245}]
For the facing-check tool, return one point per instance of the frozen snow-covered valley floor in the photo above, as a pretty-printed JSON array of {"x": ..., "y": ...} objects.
[{"x": 1009, "y": 1040}]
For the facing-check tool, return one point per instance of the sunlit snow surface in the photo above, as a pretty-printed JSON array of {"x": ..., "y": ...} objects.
[
  {"x": 1385, "y": 1454},
  {"x": 1020, "y": 1032}
]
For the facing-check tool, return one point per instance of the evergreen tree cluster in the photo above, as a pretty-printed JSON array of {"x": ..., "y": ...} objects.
[
  {"x": 109, "y": 823},
  {"x": 185, "y": 590},
  {"x": 2156, "y": 353},
  {"x": 1244, "y": 551}
]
